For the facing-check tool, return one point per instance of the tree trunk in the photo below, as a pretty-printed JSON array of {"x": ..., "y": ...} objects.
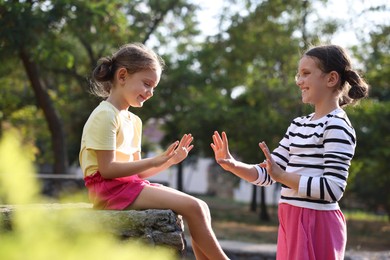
[
  {"x": 253, "y": 204},
  {"x": 180, "y": 176},
  {"x": 263, "y": 207},
  {"x": 53, "y": 120}
]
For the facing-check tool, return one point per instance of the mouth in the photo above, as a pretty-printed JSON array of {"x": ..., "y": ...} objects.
[{"x": 141, "y": 98}]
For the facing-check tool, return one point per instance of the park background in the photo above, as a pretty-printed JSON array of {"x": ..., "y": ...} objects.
[{"x": 230, "y": 65}]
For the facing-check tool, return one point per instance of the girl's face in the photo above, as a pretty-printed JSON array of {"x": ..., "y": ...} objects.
[
  {"x": 312, "y": 81},
  {"x": 139, "y": 87}
]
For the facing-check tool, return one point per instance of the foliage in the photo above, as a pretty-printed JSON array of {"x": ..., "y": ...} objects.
[
  {"x": 370, "y": 174},
  {"x": 240, "y": 80},
  {"x": 64, "y": 40},
  {"x": 40, "y": 234},
  {"x": 375, "y": 58},
  {"x": 253, "y": 69}
]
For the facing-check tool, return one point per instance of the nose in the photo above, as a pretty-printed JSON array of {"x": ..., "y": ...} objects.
[
  {"x": 149, "y": 93},
  {"x": 298, "y": 80}
]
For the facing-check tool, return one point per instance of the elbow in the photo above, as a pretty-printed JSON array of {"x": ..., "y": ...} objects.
[
  {"x": 339, "y": 195},
  {"x": 333, "y": 188},
  {"x": 105, "y": 172},
  {"x": 334, "y": 194}
]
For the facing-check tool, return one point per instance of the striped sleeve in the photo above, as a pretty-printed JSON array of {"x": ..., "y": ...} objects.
[
  {"x": 263, "y": 179},
  {"x": 339, "y": 143},
  {"x": 281, "y": 157},
  {"x": 281, "y": 154}
]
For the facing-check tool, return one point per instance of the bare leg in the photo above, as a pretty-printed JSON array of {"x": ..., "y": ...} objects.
[
  {"x": 193, "y": 210},
  {"x": 198, "y": 252}
]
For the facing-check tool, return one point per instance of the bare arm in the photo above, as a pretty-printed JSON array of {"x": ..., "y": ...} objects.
[
  {"x": 180, "y": 153},
  {"x": 110, "y": 168},
  {"x": 223, "y": 157}
]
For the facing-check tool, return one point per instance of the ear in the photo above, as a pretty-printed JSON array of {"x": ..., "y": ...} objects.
[
  {"x": 121, "y": 75},
  {"x": 333, "y": 79}
]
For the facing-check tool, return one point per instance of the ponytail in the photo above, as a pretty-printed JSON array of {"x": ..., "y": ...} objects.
[
  {"x": 102, "y": 76},
  {"x": 358, "y": 88}
]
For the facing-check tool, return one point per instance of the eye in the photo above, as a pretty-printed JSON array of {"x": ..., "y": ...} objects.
[
  {"x": 297, "y": 76},
  {"x": 304, "y": 74}
]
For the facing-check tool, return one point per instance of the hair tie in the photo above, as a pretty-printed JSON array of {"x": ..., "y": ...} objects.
[
  {"x": 110, "y": 65},
  {"x": 347, "y": 75}
]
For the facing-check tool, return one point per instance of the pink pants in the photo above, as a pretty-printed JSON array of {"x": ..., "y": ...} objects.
[{"x": 308, "y": 234}]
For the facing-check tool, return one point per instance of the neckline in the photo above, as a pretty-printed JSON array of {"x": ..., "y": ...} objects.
[
  {"x": 333, "y": 112},
  {"x": 124, "y": 113}
]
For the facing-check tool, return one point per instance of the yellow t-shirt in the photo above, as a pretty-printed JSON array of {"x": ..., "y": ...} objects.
[{"x": 107, "y": 128}]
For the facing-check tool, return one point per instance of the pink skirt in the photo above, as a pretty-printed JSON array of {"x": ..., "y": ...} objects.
[
  {"x": 114, "y": 194},
  {"x": 308, "y": 234}
]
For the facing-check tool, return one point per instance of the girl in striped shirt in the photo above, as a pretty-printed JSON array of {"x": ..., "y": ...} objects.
[{"x": 312, "y": 160}]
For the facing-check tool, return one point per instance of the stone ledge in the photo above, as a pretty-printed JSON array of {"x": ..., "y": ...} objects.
[{"x": 153, "y": 226}]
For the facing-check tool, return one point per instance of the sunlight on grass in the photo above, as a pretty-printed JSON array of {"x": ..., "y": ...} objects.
[
  {"x": 362, "y": 215},
  {"x": 43, "y": 233}
]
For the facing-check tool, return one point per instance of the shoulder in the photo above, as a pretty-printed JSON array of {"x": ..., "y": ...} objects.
[
  {"x": 340, "y": 118},
  {"x": 135, "y": 119},
  {"x": 104, "y": 113},
  {"x": 301, "y": 120},
  {"x": 338, "y": 124}
]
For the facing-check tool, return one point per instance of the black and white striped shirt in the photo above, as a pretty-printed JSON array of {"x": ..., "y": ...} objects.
[{"x": 321, "y": 152}]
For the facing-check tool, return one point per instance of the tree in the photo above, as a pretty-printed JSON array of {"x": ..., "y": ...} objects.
[
  {"x": 252, "y": 64},
  {"x": 59, "y": 43},
  {"x": 370, "y": 179},
  {"x": 369, "y": 176},
  {"x": 26, "y": 20}
]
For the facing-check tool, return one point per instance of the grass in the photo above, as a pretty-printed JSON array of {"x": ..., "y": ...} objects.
[{"x": 234, "y": 221}]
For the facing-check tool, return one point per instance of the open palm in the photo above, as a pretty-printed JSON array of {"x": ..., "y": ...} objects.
[
  {"x": 222, "y": 154},
  {"x": 182, "y": 150}
]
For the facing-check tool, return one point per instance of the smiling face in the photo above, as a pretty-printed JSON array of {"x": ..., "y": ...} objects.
[
  {"x": 140, "y": 86},
  {"x": 133, "y": 89},
  {"x": 312, "y": 81}
]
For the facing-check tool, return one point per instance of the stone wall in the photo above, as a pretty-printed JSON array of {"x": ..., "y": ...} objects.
[{"x": 155, "y": 227}]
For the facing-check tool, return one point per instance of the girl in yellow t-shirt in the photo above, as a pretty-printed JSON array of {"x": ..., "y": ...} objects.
[{"x": 110, "y": 154}]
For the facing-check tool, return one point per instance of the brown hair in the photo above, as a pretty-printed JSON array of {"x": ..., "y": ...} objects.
[
  {"x": 335, "y": 58},
  {"x": 134, "y": 57}
]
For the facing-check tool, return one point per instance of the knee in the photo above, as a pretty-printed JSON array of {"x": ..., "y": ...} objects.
[{"x": 199, "y": 209}]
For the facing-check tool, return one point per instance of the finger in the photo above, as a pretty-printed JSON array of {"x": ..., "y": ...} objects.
[
  {"x": 217, "y": 139},
  {"x": 189, "y": 140},
  {"x": 172, "y": 147},
  {"x": 263, "y": 164},
  {"x": 213, "y": 147},
  {"x": 264, "y": 148},
  {"x": 189, "y": 148},
  {"x": 225, "y": 141},
  {"x": 215, "y": 142},
  {"x": 183, "y": 140}
]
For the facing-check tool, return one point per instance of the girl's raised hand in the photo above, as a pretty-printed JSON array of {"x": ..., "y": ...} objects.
[
  {"x": 273, "y": 169},
  {"x": 182, "y": 150},
  {"x": 165, "y": 156},
  {"x": 220, "y": 146}
]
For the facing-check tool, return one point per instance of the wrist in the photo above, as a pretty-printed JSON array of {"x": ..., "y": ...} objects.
[{"x": 170, "y": 162}]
